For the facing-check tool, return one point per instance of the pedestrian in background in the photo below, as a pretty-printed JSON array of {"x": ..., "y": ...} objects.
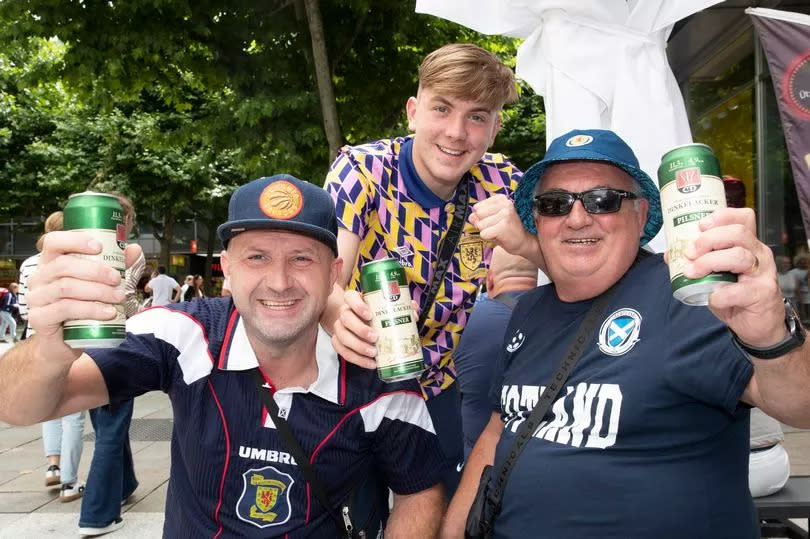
[
  {"x": 195, "y": 291},
  {"x": 8, "y": 307},
  {"x": 111, "y": 480},
  {"x": 164, "y": 289},
  {"x": 62, "y": 437}
]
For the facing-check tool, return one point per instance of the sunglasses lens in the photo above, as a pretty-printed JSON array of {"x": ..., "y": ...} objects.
[
  {"x": 553, "y": 203},
  {"x": 602, "y": 200}
]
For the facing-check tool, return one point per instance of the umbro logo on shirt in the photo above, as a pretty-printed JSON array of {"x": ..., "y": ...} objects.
[{"x": 404, "y": 255}]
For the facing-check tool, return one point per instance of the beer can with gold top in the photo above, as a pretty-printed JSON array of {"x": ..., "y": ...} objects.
[
  {"x": 691, "y": 188},
  {"x": 101, "y": 215},
  {"x": 399, "y": 348}
]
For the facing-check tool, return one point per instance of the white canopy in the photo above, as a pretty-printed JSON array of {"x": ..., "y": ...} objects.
[{"x": 597, "y": 64}]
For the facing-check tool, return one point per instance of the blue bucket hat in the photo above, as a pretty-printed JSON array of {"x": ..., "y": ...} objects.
[
  {"x": 590, "y": 145},
  {"x": 281, "y": 202}
]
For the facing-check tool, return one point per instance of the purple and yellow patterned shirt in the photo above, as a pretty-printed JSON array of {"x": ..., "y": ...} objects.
[{"x": 379, "y": 196}]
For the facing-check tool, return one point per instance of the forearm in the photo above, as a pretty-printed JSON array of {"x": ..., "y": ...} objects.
[
  {"x": 416, "y": 515},
  {"x": 483, "y": 453},
  {"x": 779, "y": 387},
  {"x": 33, "y": 377}
]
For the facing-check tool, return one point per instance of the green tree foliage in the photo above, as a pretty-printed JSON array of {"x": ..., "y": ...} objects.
[{"x": 175, "y": 102}]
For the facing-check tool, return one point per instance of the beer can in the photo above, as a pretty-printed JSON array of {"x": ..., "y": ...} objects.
[
  {"x": 691, "y": 188},
  {"x": 101, "y": 215},
  {"x": 399, "y": 348}
]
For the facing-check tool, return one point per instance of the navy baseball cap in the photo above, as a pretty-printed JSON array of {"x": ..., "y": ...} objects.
[
  {"x": 281, "y": 202},
  {"x": 590, "y": 145}
]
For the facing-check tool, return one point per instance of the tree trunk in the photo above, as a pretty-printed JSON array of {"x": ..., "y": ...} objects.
[
  {"x": 209, "y": 259},
  {"x": 166, "y": 240},
  {"x": 323, "y": 77}
]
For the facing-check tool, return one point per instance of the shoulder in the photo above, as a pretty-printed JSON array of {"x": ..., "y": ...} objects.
[
  {"x": 496, "y": 168},
  {"x": 207, "y": 318},
  {"x": 378, "y": 149},
  {"x": 30, "y": 263}
]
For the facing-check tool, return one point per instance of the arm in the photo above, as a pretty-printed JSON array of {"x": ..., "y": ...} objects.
[
  {"x": 44, "y": 377},
  {"x": 64, "y": 385},
  {"x": 752, "y": 308},
  {"x": 416, "y": 515},
  {"x": 347, "y": 317},
  {"x": 483, "y": 453},
  {"x": 178, "y": 296}
]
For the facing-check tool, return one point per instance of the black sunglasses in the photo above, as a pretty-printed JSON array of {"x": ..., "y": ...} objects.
[{"x": 601, "y": 200}]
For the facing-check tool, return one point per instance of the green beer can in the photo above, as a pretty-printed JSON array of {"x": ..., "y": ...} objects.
[
  {"x": 102, "y": 216},
  {"x": 691, "y": 188},
  {"x": 399, "y": 348}
]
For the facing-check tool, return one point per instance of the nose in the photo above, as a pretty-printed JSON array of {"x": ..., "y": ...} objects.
[
  {"x": 578, "y": 217},
  {"x": 456, "y": 127},
  {"x": 278, "y": 278}
]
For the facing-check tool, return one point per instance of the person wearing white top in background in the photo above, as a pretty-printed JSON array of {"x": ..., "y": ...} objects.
[{"x": 164, "y": 289}]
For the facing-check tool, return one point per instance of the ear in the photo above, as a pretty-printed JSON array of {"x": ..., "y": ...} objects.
[
  {"x": 334, "y": 273},
  {"x": 641, "y": 214},
  {"x": 495, "y": 129},
  {"x": 226, "y": 263},
  {"x": 410, "y": 108}
]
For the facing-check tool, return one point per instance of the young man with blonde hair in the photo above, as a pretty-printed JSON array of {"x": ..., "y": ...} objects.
[{"x": 396, "y": 198}]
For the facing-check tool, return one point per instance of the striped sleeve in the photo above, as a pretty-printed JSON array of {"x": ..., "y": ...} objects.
[
  {"x": 27, "y": 268},
  {"x": 350, "y": 189}
]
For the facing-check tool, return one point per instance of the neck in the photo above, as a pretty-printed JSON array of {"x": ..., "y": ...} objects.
[
  {"x": 289, "y": 364},
  {"x": 513, "y": 284}
]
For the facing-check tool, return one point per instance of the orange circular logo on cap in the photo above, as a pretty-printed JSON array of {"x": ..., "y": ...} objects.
[{"x": 281, "y": 200}]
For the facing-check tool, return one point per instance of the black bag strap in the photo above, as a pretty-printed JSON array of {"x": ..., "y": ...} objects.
[
  {"x": 343, "y": 521},
  {"x": 508, "y": 300},
  {"x": 447, "y": 247},
  {"x": 553, "y": 387}
]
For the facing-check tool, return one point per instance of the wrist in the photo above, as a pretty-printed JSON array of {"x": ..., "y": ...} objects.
[{"x": 792, "y": 337}]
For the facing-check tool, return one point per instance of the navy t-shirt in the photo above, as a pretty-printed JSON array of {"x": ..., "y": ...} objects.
[
  {"x": 647, "y": 439},
  {"x": 231, "y": 473}
]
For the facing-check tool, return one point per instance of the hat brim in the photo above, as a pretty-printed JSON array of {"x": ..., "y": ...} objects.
[
  {"x": 524, "y": 195},
  {"x": 228, "y": 230}
]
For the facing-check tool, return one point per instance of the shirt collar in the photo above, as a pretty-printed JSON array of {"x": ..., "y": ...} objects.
[
  {"x": 238, "y": 355},
  {"x": 414, "y": 185}
]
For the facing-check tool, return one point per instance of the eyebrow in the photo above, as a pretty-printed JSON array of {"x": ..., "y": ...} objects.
[{"x": 439, "y": 99}]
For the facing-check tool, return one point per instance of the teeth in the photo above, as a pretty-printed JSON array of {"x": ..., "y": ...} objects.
[
  {"x": 449, "y": 151},
  {"x": 582, "y": 241},
  {"x": 278, "y": 303}
]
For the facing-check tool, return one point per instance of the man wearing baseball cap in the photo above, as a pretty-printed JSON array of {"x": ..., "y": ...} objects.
[
  {"x": 648, "y": 435},
  {"x": 223, "y": 362}
]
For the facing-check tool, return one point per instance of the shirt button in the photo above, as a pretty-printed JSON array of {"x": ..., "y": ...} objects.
[{"x": 449, "y": 207}]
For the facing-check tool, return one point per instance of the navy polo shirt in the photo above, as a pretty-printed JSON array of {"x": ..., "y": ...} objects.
[{"x": 231, "y": 473}]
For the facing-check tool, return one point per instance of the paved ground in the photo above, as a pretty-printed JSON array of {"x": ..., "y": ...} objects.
[{"x": 30, "y": 510}]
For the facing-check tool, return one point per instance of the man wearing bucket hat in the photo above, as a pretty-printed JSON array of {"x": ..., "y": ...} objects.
[
  {"x": 648, "y": 435},
  {"x": 223, "y": 361}
]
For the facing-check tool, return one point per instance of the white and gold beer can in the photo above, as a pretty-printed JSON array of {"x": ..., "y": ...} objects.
[
  {"x": 399, "y": 348},
  {"x": 691, "y": 188}
]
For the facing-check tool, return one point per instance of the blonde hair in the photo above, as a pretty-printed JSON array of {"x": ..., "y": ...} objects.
[
  {"x": 466, "y": 71},
  {"x": 53, "y": 223}
]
